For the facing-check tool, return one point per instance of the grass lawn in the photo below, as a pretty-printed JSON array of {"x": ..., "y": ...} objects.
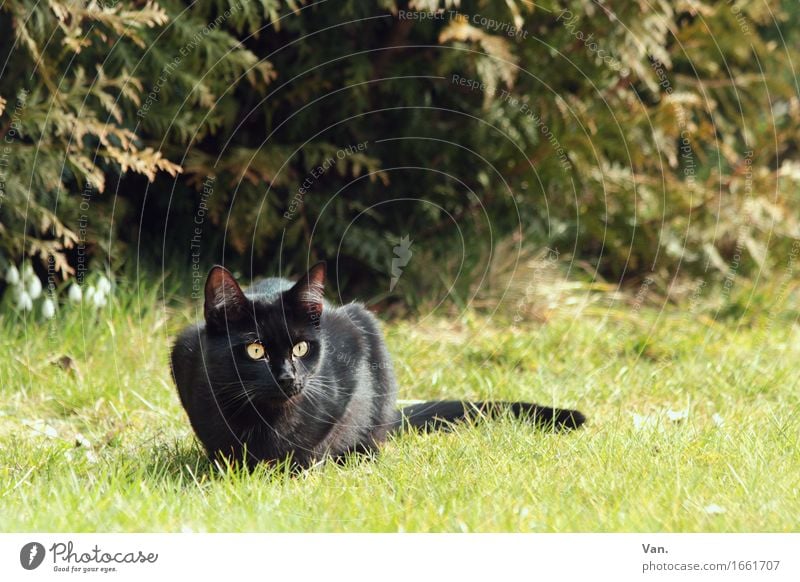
[{"x": 693, "y": 426}]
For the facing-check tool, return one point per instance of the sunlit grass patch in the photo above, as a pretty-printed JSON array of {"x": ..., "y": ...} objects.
[{"x": 691, "y": 428}]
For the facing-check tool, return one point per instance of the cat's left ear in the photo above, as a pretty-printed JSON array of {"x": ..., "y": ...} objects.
[
  {"x": 225, "y": 300},
  {"x": 306, "y": 294}
]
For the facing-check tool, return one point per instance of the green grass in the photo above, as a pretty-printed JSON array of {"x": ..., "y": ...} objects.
[{"x": 140, "y": 469}]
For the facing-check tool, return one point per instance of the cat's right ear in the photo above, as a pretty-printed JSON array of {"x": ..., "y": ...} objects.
[{"x": 225, "y": 300}]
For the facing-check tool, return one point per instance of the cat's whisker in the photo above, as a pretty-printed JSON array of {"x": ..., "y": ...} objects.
[
  {"x": 229, "y": 398},
  {"x": 318, "y": 389},
  {"x": 313, "y": 396}
]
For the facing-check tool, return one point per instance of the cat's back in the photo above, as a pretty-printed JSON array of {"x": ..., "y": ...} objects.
[
  {"x": 356, "y": 336},
  {"x": 359, "y": 354},
  {"x": 351, "y": 320}
]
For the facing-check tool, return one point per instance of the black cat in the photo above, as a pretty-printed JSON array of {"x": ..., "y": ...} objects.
[{"x": 277, "y": 372}]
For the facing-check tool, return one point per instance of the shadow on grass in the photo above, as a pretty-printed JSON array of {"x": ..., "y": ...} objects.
[
  {"x": 181, "y": 462},
  {"x": 185, "y": 464}
]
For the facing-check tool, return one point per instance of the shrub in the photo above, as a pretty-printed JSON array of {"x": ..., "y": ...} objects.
[{"x": 642, "y": 141}]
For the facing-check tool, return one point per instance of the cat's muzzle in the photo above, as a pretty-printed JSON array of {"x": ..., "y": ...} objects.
[{"x": 288, "y": 388}]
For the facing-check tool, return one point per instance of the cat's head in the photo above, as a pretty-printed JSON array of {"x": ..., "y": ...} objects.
[{"x": 260, "y": 351}]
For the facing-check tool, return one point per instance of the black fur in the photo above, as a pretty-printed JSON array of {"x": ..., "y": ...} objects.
[
  {"x": 338, "y": 398},
  {"x": 441, "y": 414}
]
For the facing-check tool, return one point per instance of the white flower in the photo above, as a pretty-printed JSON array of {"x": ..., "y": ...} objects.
[
  {"x": 48, "y": 308},
  {"x": 713, "y": 509},
  {"x": 644, "y": 422},
  {"x": 75, "y": 293},
  {"x": 27, "y": 272},
  {"x": 99, "y": 299},
  {"x": 24, "y": 303},
  {"x": 677, "y": 415},
  {"x": 17, "y": 291},
  {"x": 12, "y": 275},
  {"x": 35, "y": 287},
  {"x": 718, "y": 420},
  {"x": 40, "y": 428},
  {"x": 89, "y": 296},
  {"x": 103, "y": 285}
]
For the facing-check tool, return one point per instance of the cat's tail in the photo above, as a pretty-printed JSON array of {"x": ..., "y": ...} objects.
[{"x": 442, "y": 414}]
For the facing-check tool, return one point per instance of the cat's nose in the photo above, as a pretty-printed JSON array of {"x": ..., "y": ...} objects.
[{"x": 285, "y": 379}]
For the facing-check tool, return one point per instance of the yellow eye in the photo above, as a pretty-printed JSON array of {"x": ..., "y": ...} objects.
[
  {"x": 255, "y": 350},
  {"x": 300, "y": 349}
]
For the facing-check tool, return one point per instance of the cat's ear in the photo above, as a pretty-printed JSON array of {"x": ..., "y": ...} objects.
[
  {"x": 306, "y": 295},
  {"x": 225, "y": 300}
]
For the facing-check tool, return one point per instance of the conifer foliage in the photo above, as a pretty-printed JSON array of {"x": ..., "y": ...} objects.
[{"x": 642, "y": 137}]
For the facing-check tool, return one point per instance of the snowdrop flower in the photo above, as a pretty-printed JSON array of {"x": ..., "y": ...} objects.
[
  {"x": 35, "y": 287},
  {"x": 97, "y": 294},
  {"x": 99, "y": 299},
  {"x": 17, "y": 291},
  {"x": 12, "y": 275},
  {"x": 24, "y": 303},
  {"x": 713, "y": 509},
  {"x": 27, "y": 272},
  {"x": 75, "y": 293},
  {"x": 48, "y": 308},
  {"x": 718, "y": 420},
  {"x": 103, "y": 285}
]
